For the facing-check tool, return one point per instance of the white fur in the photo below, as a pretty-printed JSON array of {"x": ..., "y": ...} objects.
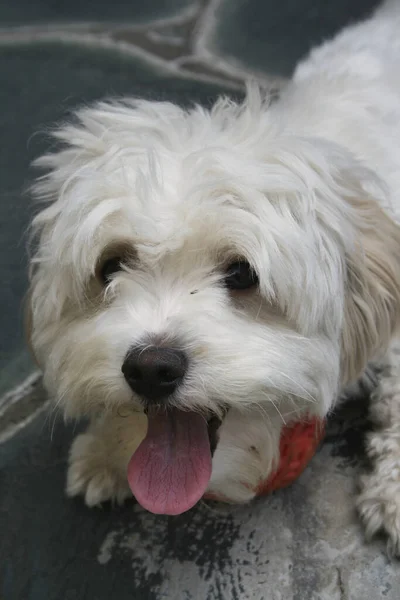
[{"x": 295, "y": 188}]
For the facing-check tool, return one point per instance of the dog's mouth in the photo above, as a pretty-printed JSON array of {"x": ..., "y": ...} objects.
[{"x": 171, "y": 469}]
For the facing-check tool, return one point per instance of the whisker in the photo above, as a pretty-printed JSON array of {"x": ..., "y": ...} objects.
[
  {"x": 307, "y": 394},
  {"x": 259, "y": 310}
]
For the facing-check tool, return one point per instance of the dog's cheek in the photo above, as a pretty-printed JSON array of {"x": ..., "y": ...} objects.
[{"x": 82, "y": 370}]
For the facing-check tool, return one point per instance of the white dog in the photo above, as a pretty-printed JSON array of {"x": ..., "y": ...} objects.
[{"x": 242, "y": 262}]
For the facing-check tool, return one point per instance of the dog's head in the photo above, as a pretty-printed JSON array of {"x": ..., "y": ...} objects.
[{"x": 204, "y": 259}]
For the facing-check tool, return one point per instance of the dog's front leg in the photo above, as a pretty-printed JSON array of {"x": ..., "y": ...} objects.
[
  {"x": 247, "y": 452},
  {"x": 99, "y": 457},
  {"x": 379, "y": 500}
]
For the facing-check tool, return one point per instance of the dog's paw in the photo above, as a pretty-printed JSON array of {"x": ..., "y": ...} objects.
[
  {"x": 231, "y": 491},
  {"x": 91, "y": 474},
  {"x": 379, "y": 507},
  {"x": 237, "y": 474},
  {"x": 246, "y": 454}
]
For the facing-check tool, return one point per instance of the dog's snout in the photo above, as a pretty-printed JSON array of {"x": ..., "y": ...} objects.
[{"x": 154, "y": 373}]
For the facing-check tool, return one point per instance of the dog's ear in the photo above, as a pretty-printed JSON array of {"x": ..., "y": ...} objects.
[
  {"x": 372, "y": 294},
  {"x": 28, "y": 325}
]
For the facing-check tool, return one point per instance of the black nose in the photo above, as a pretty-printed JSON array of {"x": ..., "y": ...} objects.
[{"x": 154, "y": 373}]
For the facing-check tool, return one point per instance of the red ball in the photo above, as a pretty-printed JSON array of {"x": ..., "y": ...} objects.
[{"x": 299, "y": 442}]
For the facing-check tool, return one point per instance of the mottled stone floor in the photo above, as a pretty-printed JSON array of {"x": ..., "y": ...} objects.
[{"x": 303, "y": 543}]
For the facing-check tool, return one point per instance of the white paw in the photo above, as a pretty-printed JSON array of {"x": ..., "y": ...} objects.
[
  {"x": 379, "y": 507},
  {"x": 230, "y": 490},
  {"x": 237, "y": 473},
  {"x": 92, "y": 475},
  {"x": 240, "y": 464}
]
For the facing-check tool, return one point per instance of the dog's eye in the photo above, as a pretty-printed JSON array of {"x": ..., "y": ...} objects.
[
  {"x": 240, "y": 276},
  {"x": 109, "y": 267}
]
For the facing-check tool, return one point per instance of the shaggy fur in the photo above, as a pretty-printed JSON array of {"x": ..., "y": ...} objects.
[{"x": 305, "y": 190}]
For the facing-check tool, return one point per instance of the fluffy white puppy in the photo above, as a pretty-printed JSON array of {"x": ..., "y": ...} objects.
[{"x": 241, "y": 262}]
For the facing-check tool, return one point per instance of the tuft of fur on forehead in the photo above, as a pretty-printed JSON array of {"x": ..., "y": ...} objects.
[{"x": 184, "y": 193}]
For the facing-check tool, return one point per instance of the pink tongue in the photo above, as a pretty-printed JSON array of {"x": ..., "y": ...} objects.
[{"x": 170, "y": 470}]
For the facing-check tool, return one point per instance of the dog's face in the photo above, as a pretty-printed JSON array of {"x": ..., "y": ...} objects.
[{"x": 204, "y": 261}]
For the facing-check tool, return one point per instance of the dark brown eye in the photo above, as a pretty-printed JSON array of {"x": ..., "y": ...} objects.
[
  {"x": 109, "y": 268},
  {"x": 240, "y": 276}
]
